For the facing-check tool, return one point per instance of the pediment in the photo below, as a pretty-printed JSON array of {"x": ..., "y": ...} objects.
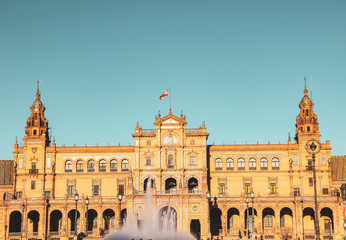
[{"x": 170, "y": 121}]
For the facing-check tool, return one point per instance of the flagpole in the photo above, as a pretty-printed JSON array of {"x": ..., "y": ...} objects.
[{"x": 170, "y": 100}]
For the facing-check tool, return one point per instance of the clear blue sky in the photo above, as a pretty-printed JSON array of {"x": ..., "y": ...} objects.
[{"x": 238, "y": 65}]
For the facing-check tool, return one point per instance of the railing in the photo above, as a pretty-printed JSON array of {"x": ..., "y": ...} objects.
[
  {"x": 188, "y": 130},
  {"x": 79, "y": 170},
  {"x": 233, "y": 231},
  {"x": 14, "y": 234},
  {"x": 264, "y": 168},
  {"x": 230, "y": 168},
  {"x": 124, "y": 169},
  {"x": 218, "y": 168},
  {"x": 30, "y": 234},
  {"x": 327, "y": 231},
  {"x": 309, "y": 231},
  {"x": 102, "y": 170},
  {"x": 309, "y": 168},
  {"x": 33, "y": 171},
  {"x": 148, "y": 130},
  {"x": 113, "y": 169},
  {"x": 171, "y": 167},
  {"x": 68, "y": 170},
  {"x": 286, "y": 231},
  {"x": 54, "y": 233},
  {"x": 194, "y": 191},
  {"x": 91, "y": 169}
]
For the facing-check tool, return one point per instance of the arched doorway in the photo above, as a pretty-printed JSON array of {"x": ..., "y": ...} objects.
[
  {"x": 145, "y": 183},
  {"x": 15, "y": 222},
  {"x": 170, "y": 184},
  {"x": 71, "y": 217},
  {"x": 195, "y": 228},
  {"x": 268, "y": 220},
  {"x": 286, "y": 222},
  {"x": 233, "y": 219},
  {"x": 192, "y": 184},
  {"x": 33, "y": 220},
  {"x": 215, "y": 222},
  {"x": 327, "y": 220},
  {"x": 92, "y": 221},
  {"x": 109, "y": 219},
  {"x": 308, "y": 219},
  {"x": 55, "y": 222},
  {"x": 168, "y": 218}
]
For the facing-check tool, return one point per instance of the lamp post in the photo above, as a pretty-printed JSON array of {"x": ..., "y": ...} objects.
[
  {"x": 5, "y": 231},
  {"x": 208, "y": 197},
  {"x": 22, "y": 227},
  {"x": 75, "y": 216},
  {"x": 301, "y": 204},
  {"x": 120, "y": 219},
  {"x": 343, "y": 195},
  {"x": 87, "y": 217},
  {"x": 252, "y": 214},
  {"x": 313, "y": 147},
  {"x": 247, "y": 217}
]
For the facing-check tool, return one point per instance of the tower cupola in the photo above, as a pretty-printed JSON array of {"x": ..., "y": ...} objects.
[
  {"x": 37, "y": 124},
  {"x": 306, "y": 122}
]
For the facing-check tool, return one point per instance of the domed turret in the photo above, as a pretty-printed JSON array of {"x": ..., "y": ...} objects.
[{"x": 306, "y": 122}]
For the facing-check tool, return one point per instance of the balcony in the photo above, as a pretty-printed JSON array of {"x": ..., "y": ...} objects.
[
  {"x": 79, "y": 170},
  {"x": 33, "y": 171},
  {"x": 102, "y": 170},
  {"x": 309, "y": 168},
  {"x": 171, "y": 167}
]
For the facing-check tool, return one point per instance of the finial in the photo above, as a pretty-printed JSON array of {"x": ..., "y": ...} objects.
[
  {"x": 203, "y": 124},
  {"x": 289, "y": 137},
  {"x": 38, "y": 90},
  {"x": 181, "y": 114},
  {"x": 53, "y": 139},
  {"x": 16, "y": 141},
  {"x": 137, "y": 125},
  {"x": 159, "y": 115},
  {"x": 170, "y": 110},
  {"x": 305, "y": 88}
]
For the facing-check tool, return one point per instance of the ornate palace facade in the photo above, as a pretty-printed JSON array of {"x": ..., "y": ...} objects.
[{"x": 263, "y": 190}]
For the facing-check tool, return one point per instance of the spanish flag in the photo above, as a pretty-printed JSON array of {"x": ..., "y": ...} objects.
[{"x": 164, "y": 95}]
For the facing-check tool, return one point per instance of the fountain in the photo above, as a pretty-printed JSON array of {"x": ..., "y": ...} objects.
[{"x": 151, "y": 227}]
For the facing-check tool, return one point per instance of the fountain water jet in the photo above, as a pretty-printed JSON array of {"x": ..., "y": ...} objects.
[{"x": 152, "y": 228}]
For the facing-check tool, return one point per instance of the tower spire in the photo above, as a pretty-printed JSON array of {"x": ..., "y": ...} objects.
[{"x": 38, "y": 90}]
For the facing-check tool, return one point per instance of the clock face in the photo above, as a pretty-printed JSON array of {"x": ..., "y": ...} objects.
[{"x": 170, "y": 139}]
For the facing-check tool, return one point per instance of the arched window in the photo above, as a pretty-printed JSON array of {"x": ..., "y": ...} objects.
[
  {"x": 264, "y": 164},
  {"x": 91, "y": 166},
  {"x": 170, "y": 161},
  {"x": 68, "y": 166},
  {"x": 114, "y": 165},
  {"x": 125, "y": 165},
  {"x": 252, "y": 164},
  {"x": 102, "y": 165},
  {"x": 275, "y": 164},
  {"x": 241, "y": 164},
  {"x": 229, "y": 164},
  {"x": 79, "y": 166},
  {"x": 218, "y": 164}
]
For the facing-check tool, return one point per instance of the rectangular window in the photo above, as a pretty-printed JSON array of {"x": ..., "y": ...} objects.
[
  {"x": 192, "y": 160},
  {"x": 311, "y": 182},
  {"x": 148, "y": 162},
  {"x": 247, "y": 187},
  {"x": 323, "y": 159},
  {"x": 70, "y": 190},
  {"x": 19, "y": 194},
  {"x": 96, "y": 190},
  {"x": 268, "y": 221},
  {"x": 222, "y": 188},
  {"x": 325, "y": 191},
  {"x": 47, "y": 194},
  {"x": 33, "y": 166},
  {"x": 121, "y": 190},
  {"x": 272, "y": 188},
  {"x": 296, "y": 192},
  {"x": 33, "y": 185}
]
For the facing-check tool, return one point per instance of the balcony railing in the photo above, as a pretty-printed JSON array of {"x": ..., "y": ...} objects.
[
  {"x": 148, "y": 130},
  {"x": 30, "y": 234},
  {"x": 102, "y": 170},
  {"x": 171, "y": 167},
  {"x": 33, "y": 171},
  {"x": 189, "y": 130},
  {"x": 309, "y": 168},
  {"x": 79, "y": 170},
  {"x": 54, "y": 233},
  {"x": 91, "y": 169},
  {"x": 14, "y": 234}
]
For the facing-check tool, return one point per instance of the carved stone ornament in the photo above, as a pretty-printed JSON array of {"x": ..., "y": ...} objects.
[
  {"x": 170, "y": 139},
  {"x": 34, "y": 149}
]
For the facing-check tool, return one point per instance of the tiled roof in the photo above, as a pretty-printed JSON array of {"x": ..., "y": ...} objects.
[
  {"x": 6, "y": 172},
  {"x": 338, "y": 168}
]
